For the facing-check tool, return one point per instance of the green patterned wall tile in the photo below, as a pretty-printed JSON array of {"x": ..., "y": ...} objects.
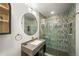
[{"x": 56, "y": 32}]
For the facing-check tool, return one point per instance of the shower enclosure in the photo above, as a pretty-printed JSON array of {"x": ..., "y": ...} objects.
[{"x": 59, "y": 33}]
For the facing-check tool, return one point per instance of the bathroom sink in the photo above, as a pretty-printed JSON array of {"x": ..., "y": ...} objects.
[
  {"x": 36, "y": 42},
  {"x": 32, "y": 47}
]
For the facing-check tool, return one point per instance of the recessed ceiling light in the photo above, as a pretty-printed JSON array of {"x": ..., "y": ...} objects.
[{"x": 52, "y": 12}]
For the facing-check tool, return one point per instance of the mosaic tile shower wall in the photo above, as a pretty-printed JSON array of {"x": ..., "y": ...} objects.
[{"x": 59, "y": 33}]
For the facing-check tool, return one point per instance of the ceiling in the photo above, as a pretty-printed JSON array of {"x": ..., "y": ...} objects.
[{"x": 46, "y": 8}]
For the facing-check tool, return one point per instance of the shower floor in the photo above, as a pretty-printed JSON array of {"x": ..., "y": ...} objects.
[{"x": 55, "y": 52}]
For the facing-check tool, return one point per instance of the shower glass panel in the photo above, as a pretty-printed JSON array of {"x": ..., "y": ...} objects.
[
  {"x": 55, "y": 36},
  {"x": 59, "y": 33}
]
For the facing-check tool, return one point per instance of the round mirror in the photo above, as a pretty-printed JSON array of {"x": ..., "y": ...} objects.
[{"x": 29, "y": 24}]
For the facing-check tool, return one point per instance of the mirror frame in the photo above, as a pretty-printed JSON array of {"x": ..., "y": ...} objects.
[
  {"x": 23, "y": 24},
  {"x": 9, "y": 21}
]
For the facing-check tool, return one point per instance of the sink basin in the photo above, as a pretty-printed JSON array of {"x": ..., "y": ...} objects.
[
  {"x": 32, "y": 47},
  {"x": 36, "y": 42}
]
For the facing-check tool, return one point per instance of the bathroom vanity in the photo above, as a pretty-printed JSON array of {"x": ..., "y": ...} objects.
[{"x": 33, "y": 47}]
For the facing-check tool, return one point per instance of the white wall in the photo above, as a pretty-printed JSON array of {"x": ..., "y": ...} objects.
[
  {"x": 8, "y": 44},
  {"x": 77, "y": 30}
]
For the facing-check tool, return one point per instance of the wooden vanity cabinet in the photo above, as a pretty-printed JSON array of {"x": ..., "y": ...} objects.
[{"x": 33, "y": 50}]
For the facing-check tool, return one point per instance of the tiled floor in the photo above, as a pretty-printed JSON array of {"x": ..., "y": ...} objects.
[{"x": 55, "y": 52}]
